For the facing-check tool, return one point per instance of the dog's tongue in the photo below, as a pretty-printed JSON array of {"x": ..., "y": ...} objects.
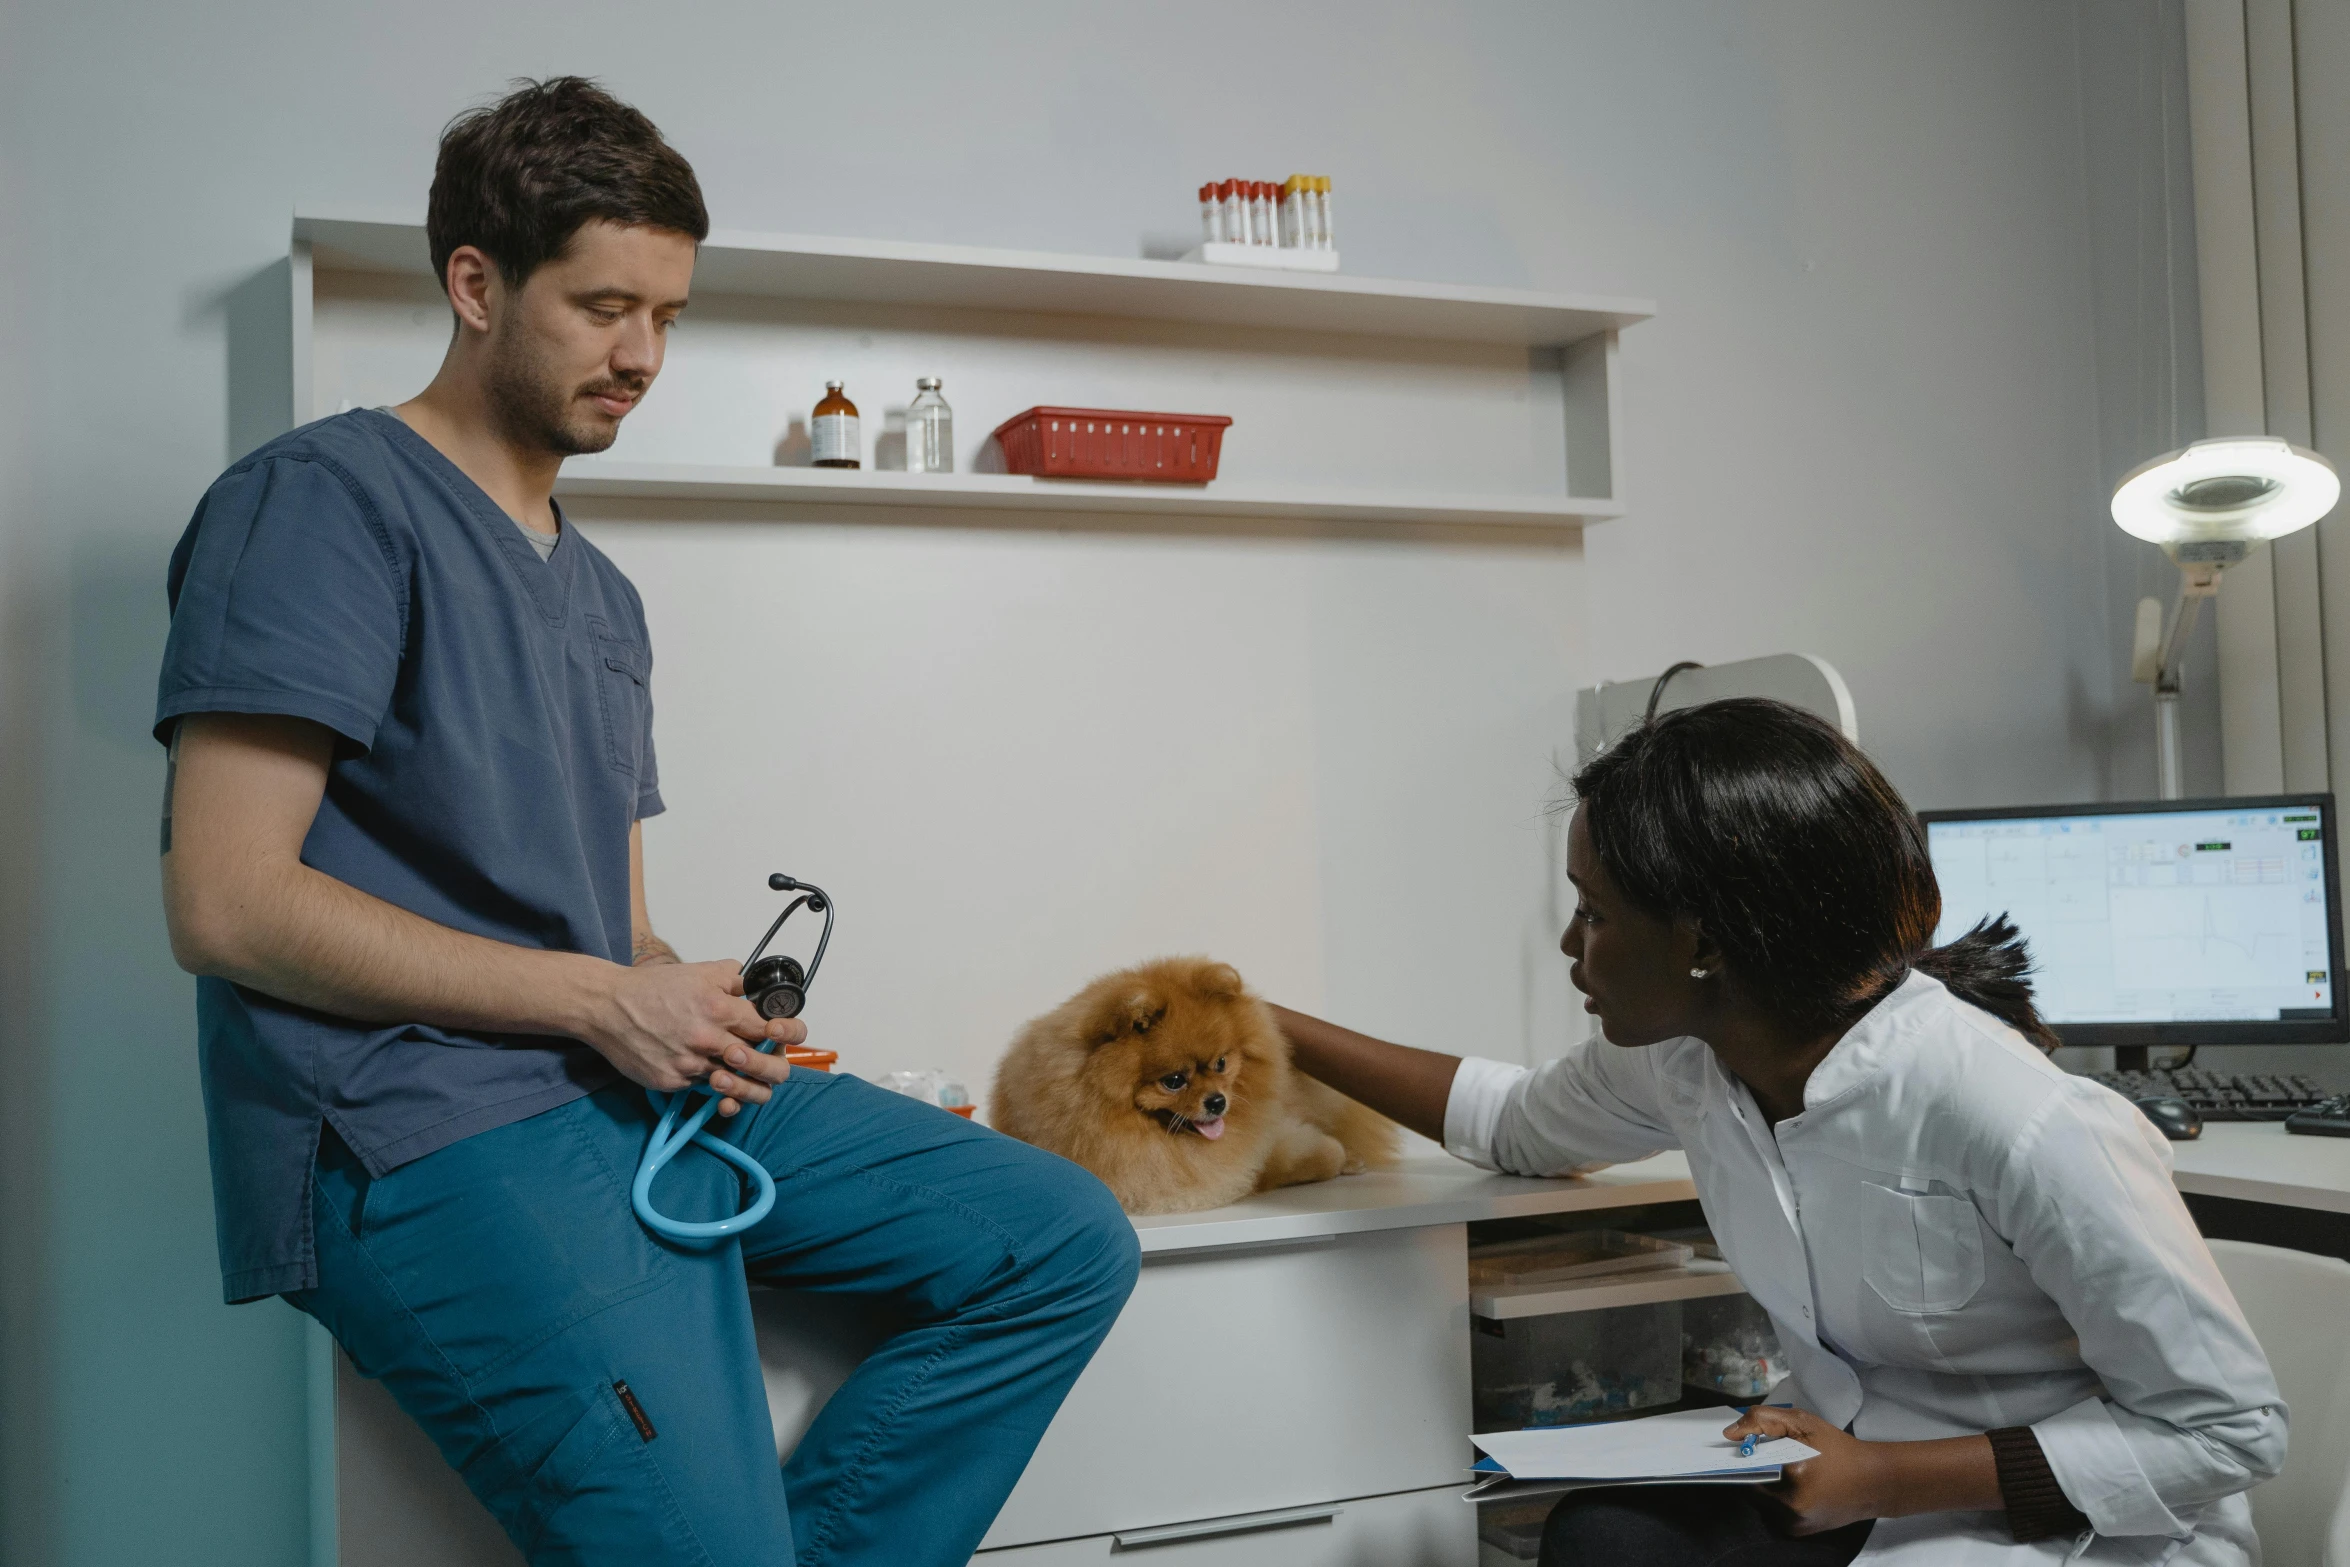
[{"x": 1211, "y": 1130}]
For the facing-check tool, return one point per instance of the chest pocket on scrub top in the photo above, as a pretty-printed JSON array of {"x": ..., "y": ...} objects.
[
  {"x": 627, "y": 705},
  {"x": 1923, "y": 1252}
]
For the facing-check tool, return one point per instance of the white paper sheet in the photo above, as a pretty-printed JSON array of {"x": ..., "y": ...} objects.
[{"x": 1685, "y": 1442}]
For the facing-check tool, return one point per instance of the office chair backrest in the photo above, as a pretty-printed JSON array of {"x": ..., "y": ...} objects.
[{"x": 2297, "y": 1303}]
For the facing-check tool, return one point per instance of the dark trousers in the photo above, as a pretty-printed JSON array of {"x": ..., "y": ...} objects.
[{"x": 1685, "y": 1526}]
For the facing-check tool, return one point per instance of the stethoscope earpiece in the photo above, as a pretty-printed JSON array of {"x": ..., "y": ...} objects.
[{"x": 776, "y": 987}]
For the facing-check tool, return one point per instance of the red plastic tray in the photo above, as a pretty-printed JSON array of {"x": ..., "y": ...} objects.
[{"x": 1113, "y": 443}]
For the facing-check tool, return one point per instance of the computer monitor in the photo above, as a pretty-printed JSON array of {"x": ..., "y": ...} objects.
[{"x": 2163, "y": 922}]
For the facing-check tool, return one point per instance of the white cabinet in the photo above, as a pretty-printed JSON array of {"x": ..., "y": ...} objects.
[
  {"x": 1245, "y": 1380},
  {"x": 1430, "y": 1528},
  {"x": 1289, "y": 1384}
]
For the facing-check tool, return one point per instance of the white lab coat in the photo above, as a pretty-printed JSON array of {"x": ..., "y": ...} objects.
[{"x": 1953, "y": 1236}]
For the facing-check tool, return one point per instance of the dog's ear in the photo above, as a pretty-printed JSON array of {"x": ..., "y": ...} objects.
[
  {"x": 1134, "y": 1012},
  {"x": 1221, "y": 980}
]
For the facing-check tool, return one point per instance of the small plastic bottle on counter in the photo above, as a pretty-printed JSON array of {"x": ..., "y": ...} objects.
[
  {"x": 834, "y": 434},
  {"x": 1292, "y": 205},
  {"x": 1322, "y": 200},
  {"x": 930, "y": 430},
  {"x": 1211, "y": 217},
  {"x": 1235, "y": 212}
]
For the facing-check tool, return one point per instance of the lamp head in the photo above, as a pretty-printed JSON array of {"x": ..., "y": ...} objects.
[{"x": 2209, "y": 504}]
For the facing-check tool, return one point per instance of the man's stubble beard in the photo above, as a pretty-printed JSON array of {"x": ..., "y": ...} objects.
[{"x": 534, "y": 408}]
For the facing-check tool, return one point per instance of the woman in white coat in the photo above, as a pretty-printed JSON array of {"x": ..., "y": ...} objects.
[{"x": 2009, "y": 1344}]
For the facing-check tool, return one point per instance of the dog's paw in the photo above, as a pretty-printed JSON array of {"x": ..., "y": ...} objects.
[{"x": 1352, "y": 1166}]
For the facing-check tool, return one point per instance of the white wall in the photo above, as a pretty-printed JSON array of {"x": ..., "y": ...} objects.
[{"x": 1869, "y": 423}]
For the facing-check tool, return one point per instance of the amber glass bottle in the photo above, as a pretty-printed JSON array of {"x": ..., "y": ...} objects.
[{"x": 835, "y": 436}]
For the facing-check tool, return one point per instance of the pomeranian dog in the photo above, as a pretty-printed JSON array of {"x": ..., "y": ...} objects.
[{"x": 1173, "y": 1084}]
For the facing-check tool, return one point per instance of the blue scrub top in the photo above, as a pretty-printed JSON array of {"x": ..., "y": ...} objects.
[{"x": 494, "y": 743}]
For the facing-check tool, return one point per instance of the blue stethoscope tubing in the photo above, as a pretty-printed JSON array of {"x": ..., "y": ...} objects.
[{"x": 669, "y": 1138}]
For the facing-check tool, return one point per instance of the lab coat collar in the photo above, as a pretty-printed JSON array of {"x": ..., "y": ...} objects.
[{"x": 1882, "y": 1035}]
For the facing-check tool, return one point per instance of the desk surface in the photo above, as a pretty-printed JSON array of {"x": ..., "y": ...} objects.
[
  {"x": 1429, "y": 1189},
  {"x": 2259, "y": 1161},
  {"x": 2251, "y": 1161}
]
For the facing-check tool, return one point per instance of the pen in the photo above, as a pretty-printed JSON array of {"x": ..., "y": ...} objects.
[{"x": 1746, "y": 1448}]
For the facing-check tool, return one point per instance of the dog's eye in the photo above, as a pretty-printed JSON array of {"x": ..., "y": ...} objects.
[
  {"x": 1173, "y": 1082},
  {"x": 1219, "y": 1066}
]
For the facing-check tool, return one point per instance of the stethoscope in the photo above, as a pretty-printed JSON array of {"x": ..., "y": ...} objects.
[{"x": 776, "y": 987}]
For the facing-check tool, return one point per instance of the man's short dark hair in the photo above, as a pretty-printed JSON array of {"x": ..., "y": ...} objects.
[{"x": 519, "y": 177}]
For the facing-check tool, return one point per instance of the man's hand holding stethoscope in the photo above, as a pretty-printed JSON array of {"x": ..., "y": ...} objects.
[{"x": 669, "y": 1026}]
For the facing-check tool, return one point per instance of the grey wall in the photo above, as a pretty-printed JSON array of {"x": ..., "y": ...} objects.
[
  {"x": 1909, "y": 329},
  {"x": 2149, "y": 353}
]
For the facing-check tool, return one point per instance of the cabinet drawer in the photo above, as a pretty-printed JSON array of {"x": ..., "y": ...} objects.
[
  {"x": 1250, "y": 1381},
  {"x": 1431, "y": 1528}
]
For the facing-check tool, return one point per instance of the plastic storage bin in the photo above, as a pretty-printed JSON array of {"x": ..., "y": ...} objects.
[
  {"x": 1512, "y": 1531},
  {"x": 1109, "y": 443},
  {"x": 1727, "y": 1342},
  {"x": 1572, "y": 1254},
  {"x": 1572, "y": 1366},
  {"x": 1729, "y": 1345}
]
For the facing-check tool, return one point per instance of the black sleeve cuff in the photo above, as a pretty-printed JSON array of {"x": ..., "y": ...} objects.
[{"x": 2036, "y": 1504}]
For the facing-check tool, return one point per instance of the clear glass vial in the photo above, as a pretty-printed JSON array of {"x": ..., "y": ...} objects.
[{"x": 930, "y": 430}]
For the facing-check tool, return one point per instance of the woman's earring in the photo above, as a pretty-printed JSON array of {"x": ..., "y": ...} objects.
[{"x": 1699, "y": 973}]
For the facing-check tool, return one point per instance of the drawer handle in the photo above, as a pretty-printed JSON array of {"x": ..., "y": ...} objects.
[
  {"x": 1215, "y": 1528},
  {"x": 1237, "y": 1249}
]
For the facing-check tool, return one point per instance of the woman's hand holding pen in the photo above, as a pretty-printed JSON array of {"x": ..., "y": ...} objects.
[
  {"x": 1843, "y": 1485},
  {"x": 1853, "y": 1479}
]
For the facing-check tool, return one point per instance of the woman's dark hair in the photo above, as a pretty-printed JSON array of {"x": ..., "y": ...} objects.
[
  {"x": 517, "y": 178},
  {"x": 1792, "y": 852}
]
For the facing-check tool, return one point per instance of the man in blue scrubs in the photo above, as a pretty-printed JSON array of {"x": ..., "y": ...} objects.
[{"x": 411, "y": 738}]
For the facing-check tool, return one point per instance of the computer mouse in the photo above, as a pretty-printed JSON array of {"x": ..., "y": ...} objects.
[{"x": 2176, "y": 1117}]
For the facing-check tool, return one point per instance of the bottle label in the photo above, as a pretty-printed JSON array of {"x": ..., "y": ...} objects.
[{"x": 835, "y": 439}]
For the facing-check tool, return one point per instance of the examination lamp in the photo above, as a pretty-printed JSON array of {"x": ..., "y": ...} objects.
[{"x": 2207, "y": 506}]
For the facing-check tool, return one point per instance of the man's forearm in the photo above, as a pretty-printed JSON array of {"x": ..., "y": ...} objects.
[
  {"x": 304, "y": 937},
  {"x": 650, "y": 948}
]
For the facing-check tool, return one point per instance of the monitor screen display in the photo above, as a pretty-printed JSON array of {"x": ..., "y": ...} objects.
[{"x": 2189, "y": 913}]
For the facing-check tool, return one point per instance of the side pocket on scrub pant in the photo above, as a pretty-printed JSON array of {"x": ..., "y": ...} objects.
[
  {"x": 1924, "y": 1252},
  {"x": 620, "y": 692},
  {"x": 599, "y": 1490}
]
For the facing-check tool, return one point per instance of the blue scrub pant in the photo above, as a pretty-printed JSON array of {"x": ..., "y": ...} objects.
[{"x": 504, "y": 1292}]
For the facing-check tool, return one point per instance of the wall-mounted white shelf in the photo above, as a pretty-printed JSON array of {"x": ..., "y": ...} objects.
[
  {"x": 1507, "y": 1302},
  {"x": 1395, "y": 368},
  {"x": 833, "y": 487},
  {"x": 890, "y": 272}
]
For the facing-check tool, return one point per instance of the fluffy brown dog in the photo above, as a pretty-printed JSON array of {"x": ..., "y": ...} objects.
[{"x": 1173, "y": 1084}]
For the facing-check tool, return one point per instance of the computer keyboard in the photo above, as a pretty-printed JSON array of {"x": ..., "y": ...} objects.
[
  {"x": 2330, "y": 1119},
  {"x": 2221, "y": 1096}
]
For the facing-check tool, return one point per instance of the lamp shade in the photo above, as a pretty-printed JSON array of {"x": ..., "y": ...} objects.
[{"x": 2234, "y": 490}]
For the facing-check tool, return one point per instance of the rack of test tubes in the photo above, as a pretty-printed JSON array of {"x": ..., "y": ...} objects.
[{"x": 1263, "y": 223}]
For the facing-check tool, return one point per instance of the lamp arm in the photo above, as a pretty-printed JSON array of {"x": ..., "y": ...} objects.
[{"x": 2197, "y": 582}]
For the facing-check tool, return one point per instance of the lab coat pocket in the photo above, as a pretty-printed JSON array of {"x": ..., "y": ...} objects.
[{"x": 1924, "y": 1253}]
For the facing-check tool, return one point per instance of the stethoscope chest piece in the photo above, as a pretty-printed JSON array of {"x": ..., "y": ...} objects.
[{"x": 776, "y": 987}]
